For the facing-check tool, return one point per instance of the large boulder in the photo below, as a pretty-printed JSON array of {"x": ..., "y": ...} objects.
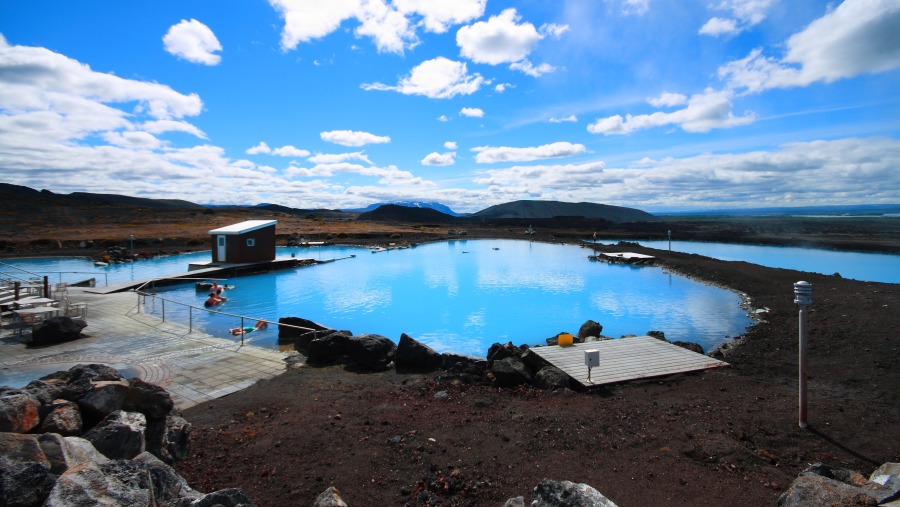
[
  {"x": 413, "y": 355},
  {"x": 120, "y": 435},
  {"x": 46, "y": 391},
  {"x": 21, "y": 448},
  {"x": 327, "y": 349},
  {"x": 97, "y": 399},
  {"x": 510, "y": 372},
  {"x": 551, "y": 377},
  {"x": 57, "y": 330},
  {"x": 168, "y": 439},
  {"x": 589, "y": 328},
  {"x": 89, "y": 485},
  {"x": 331, "y": 497},
  {"x": 149, "y": 399},
  {"x": 821, "y": 484},
  {"x": 63, "y": 418},
  {"x": 370, "y": 352},
  {"x": 469, "y": 365},
  {"x": 550, "y": 493},
  {"x": 25, "y": 484},
  {"x": 231, "y": 497},
  {"x": 19, "y": 410},
  {"x": 299, "y": 337},
  {"x": 499, "y": 352},
  {"x": 64, "y": 453}
]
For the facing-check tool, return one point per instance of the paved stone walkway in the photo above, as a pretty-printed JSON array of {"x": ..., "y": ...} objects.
[{"x": 193, "y": 366}]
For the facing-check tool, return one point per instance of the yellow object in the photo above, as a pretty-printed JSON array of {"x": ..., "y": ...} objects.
[{"x": 564, "y": 339}]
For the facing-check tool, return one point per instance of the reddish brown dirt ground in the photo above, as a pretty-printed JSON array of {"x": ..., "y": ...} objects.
[{"x": 721, "y": 437}]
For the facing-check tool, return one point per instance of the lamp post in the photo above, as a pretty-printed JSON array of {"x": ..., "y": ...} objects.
[
  {"x": 803, "y": 298},
  {"x": 670, "y": 240}
]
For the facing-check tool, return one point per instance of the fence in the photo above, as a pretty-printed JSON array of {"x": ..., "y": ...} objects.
[{"x": 143, "y": 295}]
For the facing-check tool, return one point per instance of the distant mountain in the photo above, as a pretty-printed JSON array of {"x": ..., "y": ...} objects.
[
  {"x": 551, "y": 209},
  {"x": 409, "y": 204},
  {"x": 398, "y": 213},
  {"x": 94, "y": 199}
]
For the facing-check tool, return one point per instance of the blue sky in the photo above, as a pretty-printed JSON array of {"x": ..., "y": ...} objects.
[{"x": 651, "y": 104}]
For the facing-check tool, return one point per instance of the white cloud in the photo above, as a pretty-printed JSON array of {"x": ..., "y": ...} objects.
[
  {"x": 553, "y": 30},
  {"x": 438, "y": 15},
  {"x": 290, "y": 151},
  {"x": 389, "y": 28},
  {"x": 353, "y": 138},
  {"x": 471, "y": 112},
  {"x": 439, "y": 159},
  {"x": 857, "y": 37},
  {"x": 719, "y": 26},
  {"x": 450, "y": 145},
  {"x": 439, "y": 78},
  {"x": 389, "y": 175},
  {"x": 193, "y": 41},
  {"x": 498, "y": 40},
  {"x": 668, "y": 99},
  {"x": 501, "y": 87},
  {"x": 796, "y": 174},
  {"x": 37, "y": 79},
  {"x": 705, "y": 111},
  {"x": 262, "y": 147},
  {"x": 284, "y": 151},
  {"x": 745, "y": 14},
  {"x": 162, "y": 126},
  {"x": 527, "y": 67},
  {"x": 336, "y": 158},
  {"x": 392, "y": 26},
  {"x": 494, "y": 154},
  {"x": 443, "y": 118},
  {"x": 306, "y": 20},
  {"x": 566, "y": 119}
]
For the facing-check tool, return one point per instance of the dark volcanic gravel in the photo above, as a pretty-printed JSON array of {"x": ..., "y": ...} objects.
[{"x": 722, "y": 437}]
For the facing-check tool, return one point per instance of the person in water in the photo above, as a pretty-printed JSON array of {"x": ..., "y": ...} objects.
[
  {"x": 214, "y": 299},
  {"x": 260, "y": 325}
]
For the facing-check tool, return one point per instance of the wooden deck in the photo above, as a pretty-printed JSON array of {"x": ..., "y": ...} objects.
[{"x": 630, "y": 358}]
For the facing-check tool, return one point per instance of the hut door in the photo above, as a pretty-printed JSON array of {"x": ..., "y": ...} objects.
[{"x": 221, "y": 251}]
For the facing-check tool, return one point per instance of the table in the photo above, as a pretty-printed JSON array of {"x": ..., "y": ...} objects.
[
  {"x": 31, "y": 316},
  {"x": 34, "y": 301}
]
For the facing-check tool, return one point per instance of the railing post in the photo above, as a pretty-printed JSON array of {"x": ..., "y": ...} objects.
[
  {"x": 190, "y": 319},
  {"x": 242, "y": 331},
  {"x": 163, "y": 309}
]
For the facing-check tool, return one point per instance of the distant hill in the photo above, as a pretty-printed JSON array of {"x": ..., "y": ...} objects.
[
  {"x": 320, "y": 213},
  {"x": 551, "y": 209},
  {"x": 397, "y": 213},
  {"x": 409, "y": 204},
  {"x": 95, "y": 199},
  {"x": 838, "y": 210}
]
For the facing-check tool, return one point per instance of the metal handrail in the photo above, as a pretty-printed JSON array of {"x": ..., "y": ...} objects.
[
  {"x": 60, "y": 273},
  {"x": 20, "y": 269},
  {"x": 191, "y": 308}
]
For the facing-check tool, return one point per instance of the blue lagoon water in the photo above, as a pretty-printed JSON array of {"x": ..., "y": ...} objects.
[
  {"x": 462, "y": 296},
  {"x": 873, "y": 267}
]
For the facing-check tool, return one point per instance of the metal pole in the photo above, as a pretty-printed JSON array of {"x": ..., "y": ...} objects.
[
  {"x": 163, "y": 309},
  {"x": 190, "y": 319},
  {"x": 803, "y": 297},
  {"x": 670, "y": 240},
  {"x": 242, "y": 330},
  {"x": 46, "y": 287}
]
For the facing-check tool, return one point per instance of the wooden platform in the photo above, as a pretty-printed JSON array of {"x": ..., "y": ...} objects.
[{"x": 630, "y": 358}]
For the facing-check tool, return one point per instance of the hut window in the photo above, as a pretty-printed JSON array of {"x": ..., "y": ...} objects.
[{"x": 251, "y": 242}]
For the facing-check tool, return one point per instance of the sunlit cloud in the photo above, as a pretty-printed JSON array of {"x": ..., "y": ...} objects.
[
  {"x": 744, "y": 15},
  {"x": 857, "y": 37},
  {"x": 502, "y": 39},
  {"x": 471, "y": 112},
  {"x": 439, "y": 78},
  {"x": 193, "y": 41},
  {"x": 565, "y": 119},
  {"x": 494, "y": 154},
  {"x": 353, "y": 138},
  {"x": 439, "y": 159}
]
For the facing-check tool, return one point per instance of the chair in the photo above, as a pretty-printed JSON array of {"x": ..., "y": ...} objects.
[{"x": 75, "y": 309}]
